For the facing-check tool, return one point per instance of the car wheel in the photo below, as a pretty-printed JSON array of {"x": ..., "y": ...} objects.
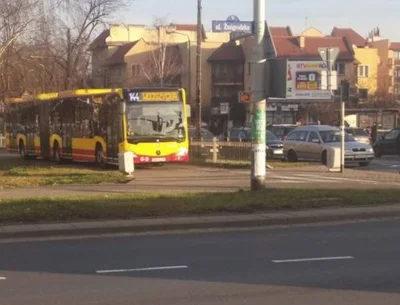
[
  {"x": 324, "y": 158},
  {"x": 292, "y": 156},
  {"x": 377, "y": 152}
]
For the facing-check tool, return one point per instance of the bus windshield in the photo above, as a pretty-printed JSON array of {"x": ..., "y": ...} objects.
[{"x": 163, "y": 121}]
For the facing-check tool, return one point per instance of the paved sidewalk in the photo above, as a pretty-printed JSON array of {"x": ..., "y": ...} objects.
[
  {"x": 198, "y": 179},
  {"x": 200, "y": 222}
]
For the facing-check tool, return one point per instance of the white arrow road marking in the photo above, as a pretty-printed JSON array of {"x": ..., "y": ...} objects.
[
  {"x": 142, "y": 269},
  {"x": 298, "y": 260}
]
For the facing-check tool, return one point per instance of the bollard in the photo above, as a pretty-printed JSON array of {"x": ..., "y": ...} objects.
[
  {"x": 126, "y": 163},
  {"x": 215, "y": 151}
]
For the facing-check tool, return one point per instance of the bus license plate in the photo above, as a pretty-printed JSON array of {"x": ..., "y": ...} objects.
[{"x": 159, "y": 160}]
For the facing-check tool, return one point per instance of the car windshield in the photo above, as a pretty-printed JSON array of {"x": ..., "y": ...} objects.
[
  {"x": 332, "y": 136},
  {"x": 357, "y": 132},
  {"x": 271, "y": 136},
  {"x": 149, "y": 121}
]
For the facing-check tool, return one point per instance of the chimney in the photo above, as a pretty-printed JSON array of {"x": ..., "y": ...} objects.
[{"x": 302, "y": 42}]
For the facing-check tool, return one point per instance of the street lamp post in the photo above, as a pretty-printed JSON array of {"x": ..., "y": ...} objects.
[{"x": 189, "y": 60}]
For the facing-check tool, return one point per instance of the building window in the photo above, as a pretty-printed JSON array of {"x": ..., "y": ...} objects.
[
  {"x": 363, "y": 71},
  {"x": 136, "y": 69},
  {"x": 363, "y": 94},
  {"x": 397, "y": 73},
  {"x": 396, "y": 54},
  {"x": 220, "y": 69},
  {"x": 217, "y": 92},
  {"x": 341, "y": 68}
]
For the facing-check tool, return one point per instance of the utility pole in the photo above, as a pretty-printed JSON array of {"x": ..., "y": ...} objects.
[
  {"x": 198, "y": 67},
  {"x": 258, "y": 160},
  {"x": 344, "y": 97}
]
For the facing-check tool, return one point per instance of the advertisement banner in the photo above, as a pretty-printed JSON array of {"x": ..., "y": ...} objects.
[{"x": 305, "y": 80}]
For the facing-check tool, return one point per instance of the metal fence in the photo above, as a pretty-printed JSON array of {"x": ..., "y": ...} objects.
[
  {"x": 217, "y": 152},
  {"x": 224, "y": 152}
]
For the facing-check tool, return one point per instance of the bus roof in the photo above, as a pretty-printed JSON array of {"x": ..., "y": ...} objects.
[
  {"x": 63, "y": 94},
  {"x": 85, "y": 93}
]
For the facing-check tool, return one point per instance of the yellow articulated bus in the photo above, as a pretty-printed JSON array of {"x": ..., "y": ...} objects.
[{"x": 95, "y": 125}]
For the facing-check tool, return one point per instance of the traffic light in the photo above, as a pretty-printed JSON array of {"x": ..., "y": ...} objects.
[{"x": 345, "y": 90}]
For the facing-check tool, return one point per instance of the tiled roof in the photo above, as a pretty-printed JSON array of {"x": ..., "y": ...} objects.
[
  {"x": 228, "y": 51},
  {"x": 118, "y": 57},
  {"x": 280, "y": 31},
  {"x": 352, "y": 36},
  {"x": 395, "y": 46},
  {"x": 289, "y": 47},
  {"x": 100, "y": 41}
]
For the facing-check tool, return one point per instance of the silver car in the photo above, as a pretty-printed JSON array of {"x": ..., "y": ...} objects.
[{"x": 311, "y": 143}]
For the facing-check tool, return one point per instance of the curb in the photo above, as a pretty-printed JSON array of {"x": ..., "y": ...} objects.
[{"x": 192, "y": 223}]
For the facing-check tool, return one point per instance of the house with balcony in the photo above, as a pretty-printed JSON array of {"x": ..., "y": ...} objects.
[
  {"x": 368, "y": 63},
  {"x": 227, "y": 80},
  {"x": 121, "y": 55},
  {"x": 389, "y": 68}
]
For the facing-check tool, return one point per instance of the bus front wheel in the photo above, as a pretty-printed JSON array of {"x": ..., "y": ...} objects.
[
  {"x": 22, "y": 150},
  {"x": 56, "y": 153}
]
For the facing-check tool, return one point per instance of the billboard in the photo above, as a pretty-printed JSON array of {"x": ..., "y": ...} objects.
[{"x": 306, "y": 80}]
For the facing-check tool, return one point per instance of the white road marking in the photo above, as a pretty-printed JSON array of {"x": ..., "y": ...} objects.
[
  {"x": 337, "y": 178},
  {"x": 299, "y": 260},
  {"x": 2, "y": 278},
  {"x": 142, "y": 269},
  {"x": 305, "y": 179}
]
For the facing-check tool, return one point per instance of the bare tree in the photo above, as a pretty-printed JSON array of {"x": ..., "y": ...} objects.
[
  {"x": 78, "y": 22},
  {"x": 17, "y": 22},
  {"x": 164, "y": 66}
]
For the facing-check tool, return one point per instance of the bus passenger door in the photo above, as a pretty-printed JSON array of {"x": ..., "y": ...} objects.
[{"x": 44, "y": 133}]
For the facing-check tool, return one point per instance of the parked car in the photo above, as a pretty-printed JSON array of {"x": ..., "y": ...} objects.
[
  {"x": 206, "y": 140},
  {"x": 386, "y": 145},
  {"x": 274, "y": 145},
  {"x": 282, "y": 130},
  {"x": 359, "y": 134},
  {"x": 311, "y": 143}
]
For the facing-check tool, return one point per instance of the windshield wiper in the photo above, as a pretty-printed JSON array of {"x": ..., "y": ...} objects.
[{"x": 164, "y": 136}]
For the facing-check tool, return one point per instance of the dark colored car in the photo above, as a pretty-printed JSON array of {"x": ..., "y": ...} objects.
[
  {"x": 281, "y": 131},
  {"x": 274, "y": 144},
  {"x": 387, "y": 144}
]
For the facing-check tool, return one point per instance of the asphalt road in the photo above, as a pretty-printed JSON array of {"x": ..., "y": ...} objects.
[
  {"x": 340, "y": 264},
  {"x": 384, "y": 164}
]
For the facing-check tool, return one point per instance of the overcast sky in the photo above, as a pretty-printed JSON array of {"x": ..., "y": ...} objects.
[{"x": 361, "y": 15}]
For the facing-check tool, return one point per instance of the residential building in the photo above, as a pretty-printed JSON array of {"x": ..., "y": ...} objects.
[
  {"x": 129, "y": 55},
  {"x": 303, "y": 50},
  {"x": 368, "y": 62},
  {"x": 227, "y": 64},
  {"x": 389, "y": 69}
]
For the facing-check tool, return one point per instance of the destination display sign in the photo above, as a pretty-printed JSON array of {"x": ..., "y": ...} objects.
[{"x": 152, "y": 96}]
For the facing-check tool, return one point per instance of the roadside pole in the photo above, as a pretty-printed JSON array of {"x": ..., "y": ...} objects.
[
  {"x": 342, "y": 140},
  {"x": 344, "y": 97},
  {"x": 258, "y": 160}
]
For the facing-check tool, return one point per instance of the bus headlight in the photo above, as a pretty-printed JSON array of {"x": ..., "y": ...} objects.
[{"x": 182, "y": 152}]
